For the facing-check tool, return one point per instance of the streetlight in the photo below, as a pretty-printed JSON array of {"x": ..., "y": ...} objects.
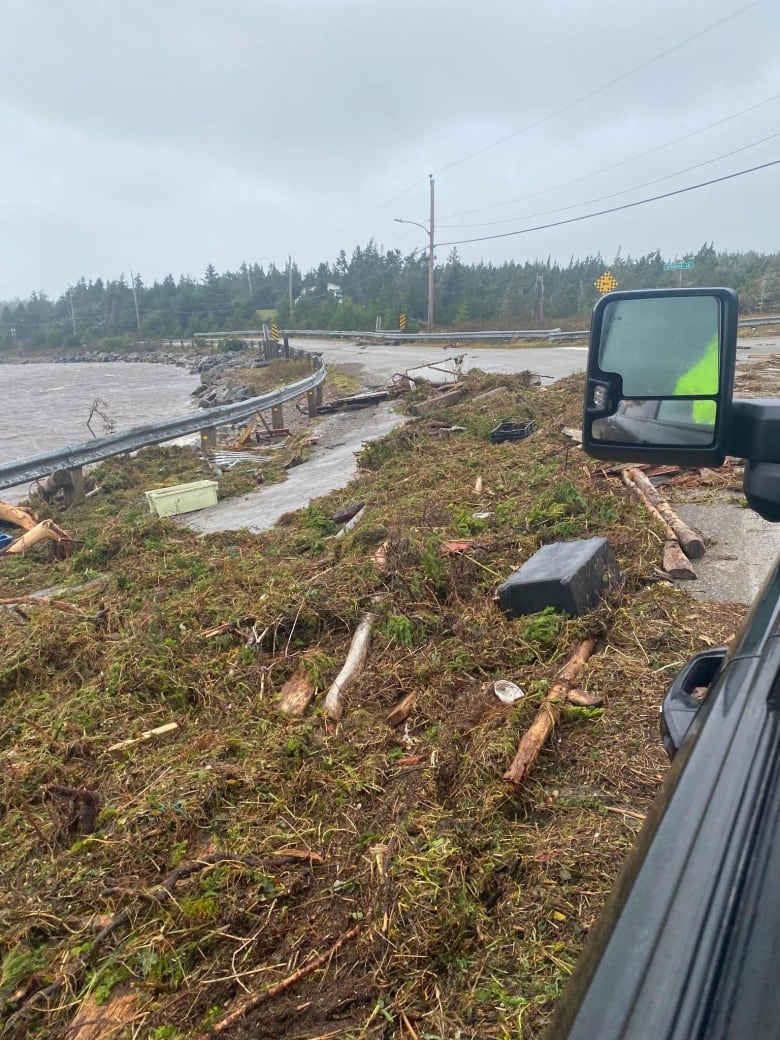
[{"x": 429, "y": 232}]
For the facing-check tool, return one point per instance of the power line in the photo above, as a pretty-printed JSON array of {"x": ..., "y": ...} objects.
[
  {"x": 612, "y": 209},
  {"x": 599, "y": 90},
  {"x": 615, "y": 166},
  {"x": 623, "y": 191}
]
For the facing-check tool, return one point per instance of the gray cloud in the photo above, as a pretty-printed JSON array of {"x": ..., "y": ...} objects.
[{"x": 164, "y": 136}]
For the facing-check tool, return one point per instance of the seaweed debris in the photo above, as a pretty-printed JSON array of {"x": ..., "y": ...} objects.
[{"x": 256, "y": 872}]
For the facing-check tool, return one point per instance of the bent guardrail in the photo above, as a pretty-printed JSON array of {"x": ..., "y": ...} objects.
[{"x": 73, "y": 456}]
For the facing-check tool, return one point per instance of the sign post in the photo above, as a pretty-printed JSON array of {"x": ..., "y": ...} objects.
[{"x": 679, "y": 266}]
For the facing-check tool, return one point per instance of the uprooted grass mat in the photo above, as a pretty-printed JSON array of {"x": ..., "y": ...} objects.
[{"x": 251, "y": 874}]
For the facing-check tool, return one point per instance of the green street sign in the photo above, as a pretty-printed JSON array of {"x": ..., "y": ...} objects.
[{"x": 679, "y": 265}]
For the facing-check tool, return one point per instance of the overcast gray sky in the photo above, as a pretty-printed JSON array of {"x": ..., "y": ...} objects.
[{"x": 162, "y": 136}]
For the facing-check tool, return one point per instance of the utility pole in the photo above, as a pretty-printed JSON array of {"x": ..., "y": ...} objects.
[
  {"x": 135, "y": 301},
  {"x": 249, "y": 280},
  {"x": 73, "y": 316},
  {"x": 289, "y": 280},
  {"x": 430, "y": 262}
]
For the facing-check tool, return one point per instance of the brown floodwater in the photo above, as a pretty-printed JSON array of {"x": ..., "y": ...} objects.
[{"x": 46, "y": 406}]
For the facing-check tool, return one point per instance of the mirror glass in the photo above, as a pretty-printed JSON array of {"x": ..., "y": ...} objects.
[{"x": 664, "y": 353}]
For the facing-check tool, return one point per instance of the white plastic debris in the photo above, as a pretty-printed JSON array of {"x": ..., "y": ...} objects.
[{"x": 507, "y": 692}]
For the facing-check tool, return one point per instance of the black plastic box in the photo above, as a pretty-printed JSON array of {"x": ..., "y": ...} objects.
[
  {"x": 512, "y": 431},
  {"x": 568, "y": 576}
]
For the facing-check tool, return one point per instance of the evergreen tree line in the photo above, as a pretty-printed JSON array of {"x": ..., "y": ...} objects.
[{"x": 354, "y": 291}]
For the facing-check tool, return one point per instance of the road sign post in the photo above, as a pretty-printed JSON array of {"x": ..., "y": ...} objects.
[{"x": 679, "y": 266}]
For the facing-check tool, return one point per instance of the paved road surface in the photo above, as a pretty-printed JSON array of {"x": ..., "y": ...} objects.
[
  {"x": 732, "y": 570},
  {"x": 382, "y": 361}
]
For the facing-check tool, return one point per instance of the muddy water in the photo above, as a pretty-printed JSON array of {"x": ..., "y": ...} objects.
[{"x": 46, "y": 406}]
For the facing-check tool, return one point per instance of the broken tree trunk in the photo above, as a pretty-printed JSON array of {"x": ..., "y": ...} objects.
[
  {"x": 18, "y": 515},
  {"x": 46, "y": 529},
  {"x": 675, "y": 562},
  {"x": 692, "y": 544},
  {"x": 296, "y": 694},
  {"x": 535, "y": 737},
  {"x": 332, "y": 706}
]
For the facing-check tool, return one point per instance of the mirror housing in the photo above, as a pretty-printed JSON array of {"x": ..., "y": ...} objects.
[{"x": 660, "y": 375}]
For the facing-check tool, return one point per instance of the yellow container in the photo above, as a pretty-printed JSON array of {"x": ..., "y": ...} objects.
[{"x": 182, "y": 498}]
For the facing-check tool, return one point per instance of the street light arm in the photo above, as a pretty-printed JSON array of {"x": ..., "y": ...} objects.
[{"x": 400, "y": 220}]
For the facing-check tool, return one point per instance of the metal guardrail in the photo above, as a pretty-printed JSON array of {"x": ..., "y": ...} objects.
[
  {"x": 390, "y": 335},
  {"x": 73, "y": 455},
  {"x": 387, "y": 336}
]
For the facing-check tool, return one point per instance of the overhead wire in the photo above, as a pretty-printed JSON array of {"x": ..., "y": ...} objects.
[
  {"x": 614, "y": 166},
  {"x": 543, "y": 119},
  {"x": 611, "y": 209},
  {"x": 600, "y": 90},
  {"x": 615, "y": 194}
]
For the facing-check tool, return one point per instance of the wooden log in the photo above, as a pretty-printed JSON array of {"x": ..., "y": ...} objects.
[
  {"x": 668, "y": 532},
  {"x": 46, "y": 529},
  {"x": 442, "y": 400},
  {"x": 692, "y": 544},
  {"x": 535, "y": 737},
  {"x": 296, "y": 694},
  {"x": 676, "y": 563},
  {"x": 18, "y": 515},
  {"x": 583, "y": 699},
  {"x": 402, "y": 710},
  {"x": 332, "y": 706}
]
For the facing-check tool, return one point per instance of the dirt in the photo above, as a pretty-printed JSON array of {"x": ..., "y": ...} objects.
[{"x": 253, "y": 874}]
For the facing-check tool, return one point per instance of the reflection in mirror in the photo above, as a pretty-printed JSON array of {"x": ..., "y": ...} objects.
[
  {"x": 662, "y": 347},
  {"x": 662, "y": 423},
  {"x": 666, "y": 349}
]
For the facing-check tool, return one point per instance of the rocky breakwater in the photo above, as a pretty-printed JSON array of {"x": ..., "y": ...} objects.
[
  {"x": 218, "y": 382},
  {"x": 153, "y": 357}
]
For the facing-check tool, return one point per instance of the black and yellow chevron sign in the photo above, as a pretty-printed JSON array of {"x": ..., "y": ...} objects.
[
  {"x": 606, "y": 283},
  {"x": 274, "y": 332},
  {"x": 402, "y": 322}
]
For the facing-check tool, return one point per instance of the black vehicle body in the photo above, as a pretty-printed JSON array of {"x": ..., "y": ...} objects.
[{"x": 688, "y": 945}]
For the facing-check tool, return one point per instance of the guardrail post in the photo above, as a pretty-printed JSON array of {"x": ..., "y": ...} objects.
[
  {"x": 74, "y": 490},
  {"x": 208, "y": 438},
  {"x": 286, "y": 350},
  {"x": 277, "y": 417},
  {"x": 311, "y": 400}
]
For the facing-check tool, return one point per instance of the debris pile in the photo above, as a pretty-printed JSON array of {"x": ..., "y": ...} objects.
[{"x": 262, "y": 785}]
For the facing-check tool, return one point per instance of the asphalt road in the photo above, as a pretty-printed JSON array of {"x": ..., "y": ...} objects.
[
  {"x": 742, "y": 544},
  {"x": 382, "y": 361}
]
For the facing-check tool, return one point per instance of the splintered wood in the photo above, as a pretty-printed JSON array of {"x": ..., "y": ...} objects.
[{"x": 549, "y": 714}]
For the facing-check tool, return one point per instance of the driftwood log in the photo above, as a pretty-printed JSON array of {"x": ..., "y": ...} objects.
[
  {"x": 692, "y": 544},
  {"x": 675, "y": 563},
  {"x": 547, "y": 718},
  {"x": 356, "y": 658},
  {"x": 18, "y": 515}
]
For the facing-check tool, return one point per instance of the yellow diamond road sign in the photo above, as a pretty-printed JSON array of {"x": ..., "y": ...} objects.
[{"x": 606, "y": 283}]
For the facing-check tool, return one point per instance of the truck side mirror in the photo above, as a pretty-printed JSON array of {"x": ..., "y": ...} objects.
[{"x": 660, "y": 375}]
